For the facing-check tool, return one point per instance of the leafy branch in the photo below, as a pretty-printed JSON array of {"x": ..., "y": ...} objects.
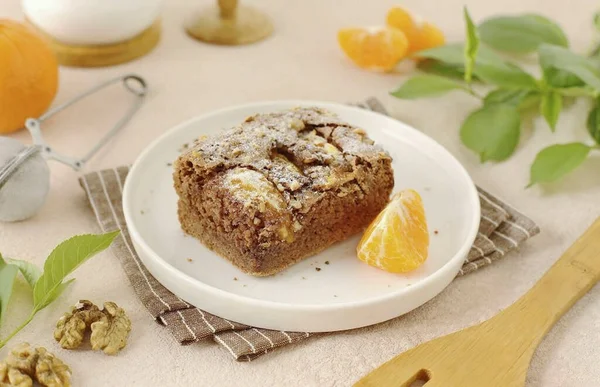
[
  {"x": 493, "y": 130},
  {"x": 48, "y": 284}
]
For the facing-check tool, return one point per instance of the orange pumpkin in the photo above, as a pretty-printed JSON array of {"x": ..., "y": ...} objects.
[{"x": 28, "y": 75}]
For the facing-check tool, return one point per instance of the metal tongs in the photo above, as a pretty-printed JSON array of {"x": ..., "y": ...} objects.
[{"x": 133, "y": 83}]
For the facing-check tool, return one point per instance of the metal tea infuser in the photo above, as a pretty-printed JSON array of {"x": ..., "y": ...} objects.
[{"x": 24, "y": 172}]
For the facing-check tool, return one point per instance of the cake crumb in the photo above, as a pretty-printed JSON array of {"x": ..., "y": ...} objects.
[
  {"x": 436, "y": 232},
  {"x": 334, "y": 295},
  {"x": 317, "y": 268},
  {"x": 304, "y": 278},
  {"x": 190, "y": 260},
  {"x": 244, "y": 285},
  {"x": 169, "y": 164},
  {"x": 235, "y": 278},
  {"x": 327, "y": 262},
  {"x": 142, "y": 212}
]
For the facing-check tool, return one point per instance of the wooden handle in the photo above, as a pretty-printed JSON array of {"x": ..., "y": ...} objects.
[{"x": 576, "y": 272}]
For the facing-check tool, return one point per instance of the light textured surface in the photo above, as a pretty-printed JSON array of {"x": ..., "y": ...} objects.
[{"x": 302, "y": 61}]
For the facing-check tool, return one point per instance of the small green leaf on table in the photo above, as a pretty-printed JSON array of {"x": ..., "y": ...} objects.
[
  {"x": 554, "y": 162},
  {"x": 426, "y": 85},
  {"x": 65, "y": 258},
  {"x": 554, "y": 57},
  {"x": 521, "y": 34},
  {"x": 8, "y": 273},
  {"x": 28, "y": 270},
  {"x": 593, "y": 123},
  {"x": 550, "y": 107},
  {"x": 471, "y": 46},
  {"x": 597, "y": 20},
  {"x": 492, "y": 131}
]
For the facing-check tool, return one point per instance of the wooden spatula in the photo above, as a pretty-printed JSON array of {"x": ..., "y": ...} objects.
[{"x": 497, "y": 352}]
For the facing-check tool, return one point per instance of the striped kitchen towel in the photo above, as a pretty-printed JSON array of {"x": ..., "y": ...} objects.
[{"x": 501, "y": 230}]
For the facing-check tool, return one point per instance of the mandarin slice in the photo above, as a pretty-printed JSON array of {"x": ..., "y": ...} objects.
[
  {"x": 401, "y": 19},
  {"x": 379, "y": 48},
  {"x": 426, "y": 36},
  {"x": 397, "y": 240}
]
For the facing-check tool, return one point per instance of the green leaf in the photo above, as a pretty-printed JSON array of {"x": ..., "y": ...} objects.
[
  {"x": 593, "y": 123},
  {"x": 513, "y": 97},
  {"x": 584, "y": 91},
  {"x": 554, "y": 57},
  {"x": 492, "y": 131},
  {"x": 58, "y": 291},
  {"x": 556, "y": 161},
  {"x": 550, "y": 108},
  {"x": 8, "y": 274},
  {"x": 471, "y": 46},
  {"x": 561, "y": 78},
  {"x": 426, "y": 86},
  {"x": 63, "y": 260},
  {"x": 521, "y": 99},
  {"x": 489, "y": 67},
  {"x": 504, "y": 75},
  {"x": 597, "y": 20},
  {"x": 30, "y": 272},
  {"x": 521, "y": 34},
  {"x": 453, "y": 53},
  {"x": 436, "y": 67}
]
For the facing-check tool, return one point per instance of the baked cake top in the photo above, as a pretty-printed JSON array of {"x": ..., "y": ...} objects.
[{"x": 285, "y": 159}]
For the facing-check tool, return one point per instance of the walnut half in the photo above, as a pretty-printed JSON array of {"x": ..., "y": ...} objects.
[
  {"x": 51, "y": 371},
  {"x": 13, "y": 377},
  {"x": 110, "y": 332},
  {"x": 71, "y": 327},
  {"x": 25, "y": 363}
]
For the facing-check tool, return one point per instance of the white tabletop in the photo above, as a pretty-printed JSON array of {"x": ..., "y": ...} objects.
[{"x": 302, "y": 60}]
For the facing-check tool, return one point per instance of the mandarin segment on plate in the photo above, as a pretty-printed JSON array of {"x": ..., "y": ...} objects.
[
  {"x": 397, "y": 240},
  {"x": 379, "y": 48}
]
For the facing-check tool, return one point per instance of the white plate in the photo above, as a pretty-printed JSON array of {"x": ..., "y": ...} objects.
[{"x": 345, "y": 293}]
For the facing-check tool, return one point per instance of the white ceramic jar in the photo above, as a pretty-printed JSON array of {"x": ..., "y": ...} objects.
[{"x": 90, "y": 22}]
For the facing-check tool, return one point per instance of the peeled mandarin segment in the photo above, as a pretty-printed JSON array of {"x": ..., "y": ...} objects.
[
  {"x": 401, "y": 19},
  {"x": 397, "y": 240},
  {"x": 378, "y": 49},
  {"x": 427, "y": 36}
]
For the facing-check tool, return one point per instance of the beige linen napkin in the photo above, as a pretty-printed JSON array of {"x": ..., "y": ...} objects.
[{"x": 501, "y": 230}]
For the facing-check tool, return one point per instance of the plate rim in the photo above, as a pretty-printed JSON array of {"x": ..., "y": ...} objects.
[{"x": 439, "y": 274}]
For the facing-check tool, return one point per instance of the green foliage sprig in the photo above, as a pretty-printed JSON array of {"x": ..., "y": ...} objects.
[
  {"x": 493, "y": 130},
  {"x": 48, "y": 284}
]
